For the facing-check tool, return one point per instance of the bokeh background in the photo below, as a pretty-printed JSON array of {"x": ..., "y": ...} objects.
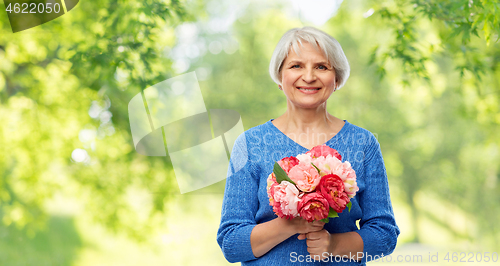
[{"x": 425, "y": 79}]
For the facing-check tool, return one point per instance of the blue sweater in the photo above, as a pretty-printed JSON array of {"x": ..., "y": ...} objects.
[{"x": 246, "y": 203}]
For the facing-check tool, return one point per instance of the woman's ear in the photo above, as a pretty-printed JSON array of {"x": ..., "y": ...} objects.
[
  {"x": 336, "y": 84},
  {"x": 280, "y": 78}
]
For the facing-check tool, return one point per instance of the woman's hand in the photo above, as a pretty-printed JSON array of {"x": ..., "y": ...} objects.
[
  {"x": 318, "y": 243},
  {"x": 301, "y": 226},
  {"x": 267, "y": 235}
]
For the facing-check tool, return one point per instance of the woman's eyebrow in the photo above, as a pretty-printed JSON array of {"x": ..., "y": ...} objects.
[
  {"x": 300, "y": 62},
  {"x": 295, "y": 62},
  {"x": 323, "y": 63}
]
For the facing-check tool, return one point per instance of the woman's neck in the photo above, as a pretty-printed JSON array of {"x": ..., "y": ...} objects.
[
  {"x": 308, "y": 127},
  {"x": 298, "y": 119}
]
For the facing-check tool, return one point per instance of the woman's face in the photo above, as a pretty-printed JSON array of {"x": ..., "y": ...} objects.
[{"x": 307, "y": 80}]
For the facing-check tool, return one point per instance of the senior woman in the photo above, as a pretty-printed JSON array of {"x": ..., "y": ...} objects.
[{"x": 308, "y": 65}]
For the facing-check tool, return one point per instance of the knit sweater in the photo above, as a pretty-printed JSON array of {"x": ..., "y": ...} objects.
[{"x": 246, "y": 203}]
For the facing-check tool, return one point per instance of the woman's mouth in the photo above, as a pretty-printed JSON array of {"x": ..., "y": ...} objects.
[{"x": 308, "y": 90}]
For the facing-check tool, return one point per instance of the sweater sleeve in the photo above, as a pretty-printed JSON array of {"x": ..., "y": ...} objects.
[
  {"x": 378, "y": 227},
  {"x": 239, "y": 205}
]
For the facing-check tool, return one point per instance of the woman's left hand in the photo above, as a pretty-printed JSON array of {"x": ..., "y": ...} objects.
[{"x": 318, "y": 243}]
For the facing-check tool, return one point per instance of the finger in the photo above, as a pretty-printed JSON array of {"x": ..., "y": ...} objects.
[
  {"x": 318, "y": 238},
  {"x": 315, "y": 254},
  {"x": 316, "y": 243},
  {"x": 316, "y": 228},
  {"x": 302, "y": 236},
  {"x": 319, "y": 223},
  {"x": 315, "y": 251},
  {"x": 312, "y": 244},
  {"x": 314, "y": 235}
]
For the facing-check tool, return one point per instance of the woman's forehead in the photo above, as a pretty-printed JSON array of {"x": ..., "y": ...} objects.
[
  {"x": 306, "y": 53},
  {"x": 298, "y": 46}
]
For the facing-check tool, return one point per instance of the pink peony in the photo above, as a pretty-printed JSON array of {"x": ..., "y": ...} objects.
[
  {"x": 348, "y": 175},
  {"x": 313, "y": 206},
  {"x": 286, "y": 199},
  {"x": 323, "y": 150},
  {"x": 305, "y": 158},
  {"x": 305, "y": 176},
  {"x": 331, "y": 165},
  {"x": 287, "y": 163},
  {"x": 332, "y": 188},
  {"x": 271, "y": 183},
  {"x": 326, "y": 164}
]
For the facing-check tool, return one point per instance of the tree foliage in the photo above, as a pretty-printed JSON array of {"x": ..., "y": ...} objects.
[
  {"x": 467, "y": 31},
  {"x": 64, "y": 86},
  {"x": 448, "y": 56}
]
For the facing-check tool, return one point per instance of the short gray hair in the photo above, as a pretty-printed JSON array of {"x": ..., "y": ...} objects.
[{"x": 329, "y": 46}]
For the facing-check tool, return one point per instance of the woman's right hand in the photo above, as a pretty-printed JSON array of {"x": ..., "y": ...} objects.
[
  {"x": 267, "y": 235},
  {"x": 301, "y": 226}
]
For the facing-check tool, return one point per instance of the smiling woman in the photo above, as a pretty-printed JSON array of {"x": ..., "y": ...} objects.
[
  {"x": 307, "y": 74},
  {"x": 328, "y": 52},
  {"x": 308, "y": 65}
]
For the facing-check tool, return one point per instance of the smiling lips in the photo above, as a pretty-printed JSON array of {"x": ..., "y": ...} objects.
[{"x": 308, "y": 90}]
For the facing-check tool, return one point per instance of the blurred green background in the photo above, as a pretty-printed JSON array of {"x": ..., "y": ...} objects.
[{"x": 425, "y": 79}]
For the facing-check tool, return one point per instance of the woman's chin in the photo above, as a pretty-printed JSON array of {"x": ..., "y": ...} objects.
[{"x": 308, "y": 104}]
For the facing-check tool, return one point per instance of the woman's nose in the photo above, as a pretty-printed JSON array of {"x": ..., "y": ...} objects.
[{"x": 309, "y": 75}]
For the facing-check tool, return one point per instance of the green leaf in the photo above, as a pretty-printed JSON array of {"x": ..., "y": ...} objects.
[
  {"x": 316, "y": 167},
  {"x": 281, "y": 174},
  {"x": 349, "y": 206},
  {"x": 326, "y": 220},
  {"x": 373, "y": 55},
  {"x": 487, "y": 32},
  {"x": 332, "y": 213}
]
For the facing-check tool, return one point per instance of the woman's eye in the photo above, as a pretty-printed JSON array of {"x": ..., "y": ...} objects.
[
  {"x": 323, "y": 67},
  {"x": 295, "y": 66}
]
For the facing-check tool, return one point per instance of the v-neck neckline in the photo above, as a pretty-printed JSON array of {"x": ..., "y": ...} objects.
[{"x": 344, "y": 128}]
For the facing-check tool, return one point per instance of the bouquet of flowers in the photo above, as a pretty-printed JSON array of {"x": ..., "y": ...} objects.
[{"x": 316, "y": 185}]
